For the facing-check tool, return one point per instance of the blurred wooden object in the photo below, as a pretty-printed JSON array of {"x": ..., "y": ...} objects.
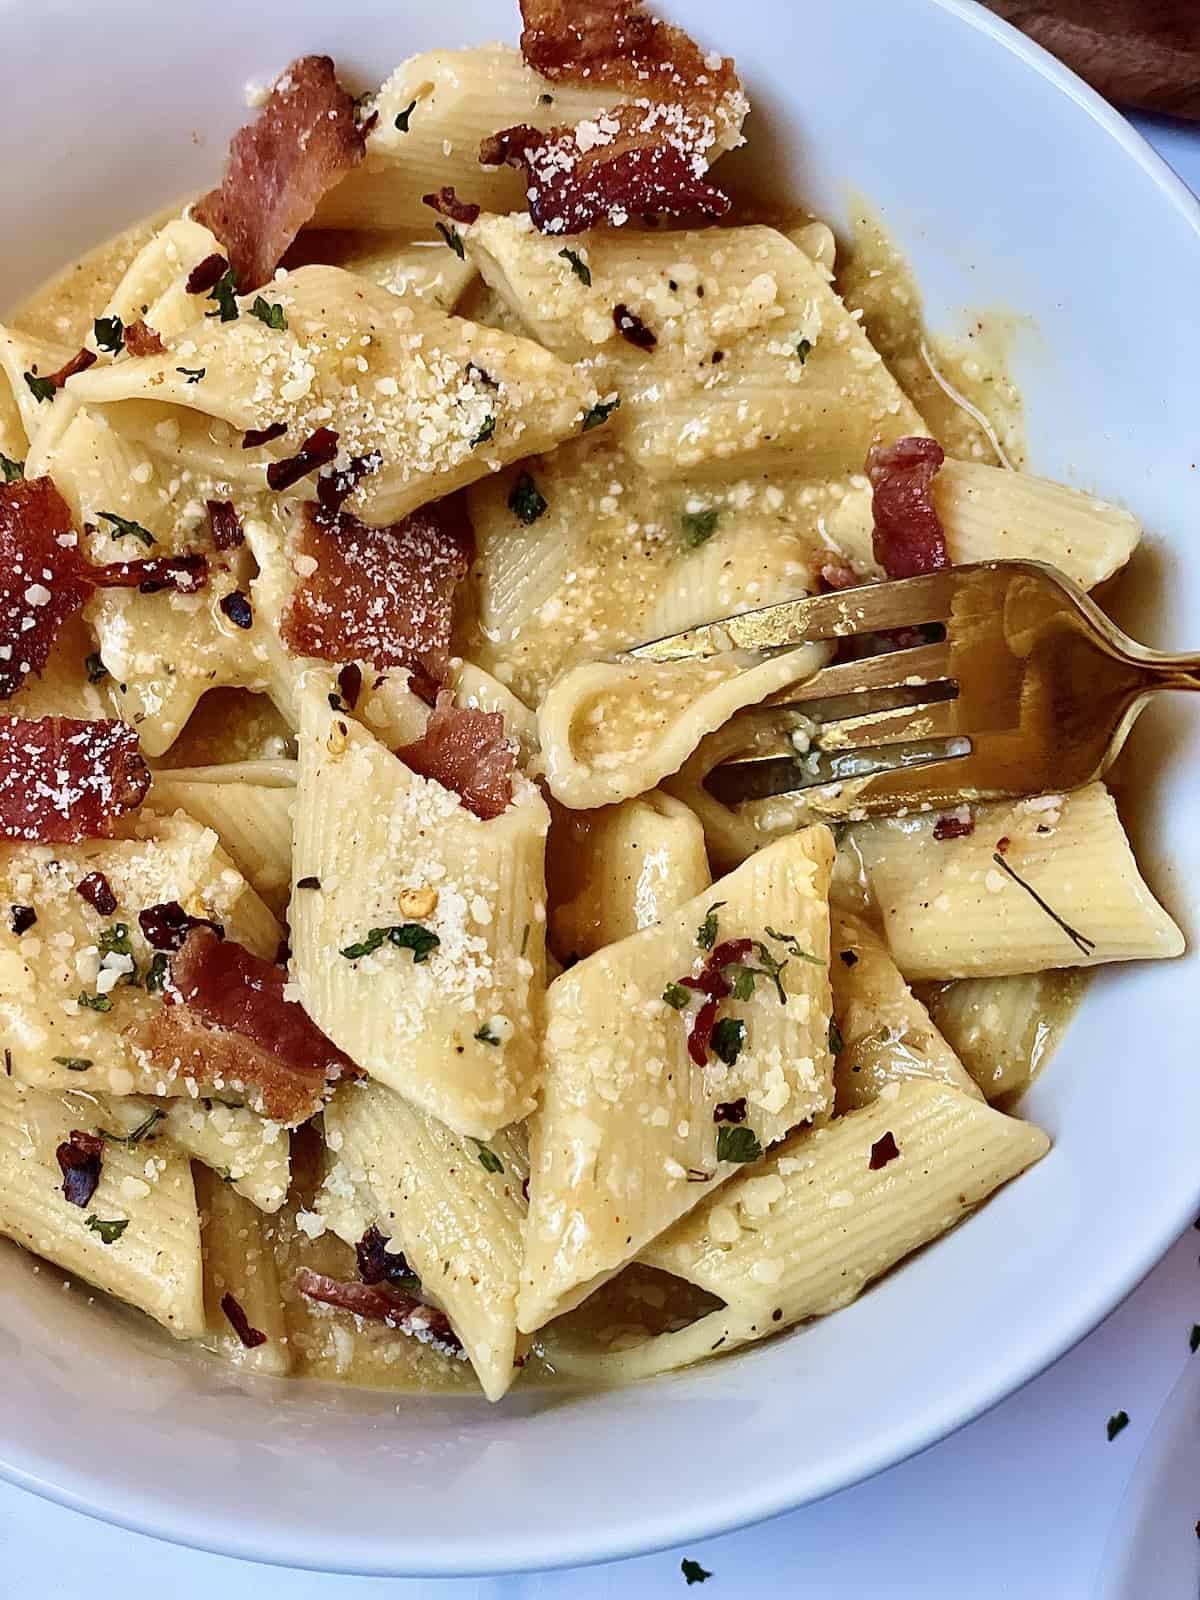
[{"x": 1143, "y": 53}]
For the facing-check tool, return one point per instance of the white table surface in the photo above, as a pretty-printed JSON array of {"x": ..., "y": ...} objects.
[{"x": 1018, "y": 1506}]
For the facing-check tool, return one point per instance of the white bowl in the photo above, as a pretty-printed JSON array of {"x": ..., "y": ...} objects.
[{"x": 1009, "y": 184}]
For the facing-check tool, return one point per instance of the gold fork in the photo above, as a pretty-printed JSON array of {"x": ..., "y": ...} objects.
[{"x": 999, "y": 679}]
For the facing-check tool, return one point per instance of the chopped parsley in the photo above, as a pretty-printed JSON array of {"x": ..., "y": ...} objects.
[
  {"x": 676, "y": 996},
  {"x": 728, "y": 1037},
  {"x": 96, "y": 670},
  {"x": 836, "y": 1042},
  {"x": 156, "y": 978},
  {"x": 192, "y": 374},
  {"x": 526, "y": 501},
  {"x": 40, "y": 388},
  {"x": 272, "y": 315},
  {"x": 453, "y": 238},
  {"x": 793, "y": 947},
  {"x": 1194, "y": 1341},
  {"x": 123, "y": 528},
  {"x": 693, "y": 1571},
  {"x": 110, "y": 334},
  {"x": 771, "y": 968},
  {"x": 486, "y": 1036},
  {"x": 578, "y": 266},
  {"x": 412, "y": 936},
  {"x": 699, "y": 526},
  {"x": 109, "y": 1231},
  {"x": 224, "y": 292},
  {"x": 136, "y": 1135},
  {"x": 1116, "y": 1424},
  {"x": 485, "y": 433},
  {"x": 737, "y": 1144},
  {"x": 706, "y": 933},
  {"x": 488, "y": 1159},
  {"x": 600, "y": 413},
  {"x": 11, "y": 471},
  {"x": 1079, "y": 940},
  {"x": 115, "y": 940},
  {"x": 74, "y": 1063},
  {"x": 804, "y": 350},
  {"x": 402, "y": 119},
  {"x": 95, "y": 1002}
]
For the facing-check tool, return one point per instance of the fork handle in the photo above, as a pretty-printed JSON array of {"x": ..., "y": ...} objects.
[{"x": 1170, "y": 672}]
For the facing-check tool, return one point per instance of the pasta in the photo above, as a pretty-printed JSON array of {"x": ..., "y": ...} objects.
[{"x": 385, "y": 995}]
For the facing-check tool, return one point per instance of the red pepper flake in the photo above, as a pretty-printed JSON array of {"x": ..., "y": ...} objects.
[
  {"x": 250, "y": 1337},
  {"x": 909, "y": 538},
  {"x": 253, "y": 437},
  {"x": 631, "y": 327},
  {"x": 143, "y": 340},
  {"x": 237, "y": 608},
  {"x": 166, "y": 926},
  {"x": 953, "y": 827},
  {"x": 80, "y": 1157},
  {"x": 1003, "y": 843},
  {"x": 730, "y": 1111},
  {"x": 21, "y": 919},
  {"x": 336, "y": 486},
  {"x": 883, "y": 1150},
  {"x": 79, "y": 363},
  {"x": 712, "y": 982},
  {"x": 378, "y": 1264},
  {"x": 206, "y": 274},
  {"x": 225, "y": 524},
  {"x": 449, "y": 205},
  {"x": 98, "y": 893},
  {"x": 186, "y": 574},
  {"x": 349, "y": 682},
  {"x": 318, "y": 450}
]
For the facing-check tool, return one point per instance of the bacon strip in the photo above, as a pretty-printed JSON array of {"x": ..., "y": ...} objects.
[
  {"x": 305, "y": 139},
  {"x": 383, "y": 595},
  {"x": 466, "y": 751},
  {"x": 449, "y": 205},
  {"x": 62, "y": 780},
  {"x": 383, "y": 1304},
  {"x": 206, "y": 274},
  {"x": 143, "y": 340},
  {"x": 909, "y": 538},
  {"x": 617, "y": 42},
  {"x": 227, "y": 1021},
  {"x": 185, "y": 574},
  {"x": 41, "y": 582}
]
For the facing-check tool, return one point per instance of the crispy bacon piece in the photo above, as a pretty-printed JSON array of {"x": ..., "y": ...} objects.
[
  {"x": 225, "y": 524},
  {"x": 98, "y": 892},
  {"x": 616, "y": 41},
  {"x": 80, "y": 1158},
  {"x": 952, "y": 827},
  {"x": 79, "y": 363},
  {"x": 143, "y": 340},
  {"x": 62, "y": 780},
  {"x": 240, "y": 1323},
  {"x": 207, "y": 274},
  {"x": 227, "y": 1021},
  {"x": 381, "y": 1303},
  {"x": 449, "y": 205},
  {"x": 318, "y": 450},
  {"x": 185, "y": 574},
  {"x": 909, "y": 537},
  {"x": 467, "y": 751},
  {"x": 253, "y": 437},
  {"x": 306, "y": 138},
  {"x": 41, "y": 577},
  {"x": 643, "y": 165},
  {"x": 383, "y": 595}
]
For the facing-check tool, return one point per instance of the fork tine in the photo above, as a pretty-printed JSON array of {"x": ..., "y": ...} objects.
[
  {"x": 916, "y": 774},
  {"x": 926, "y": 664},
  {"x": 869, "y": 608}
]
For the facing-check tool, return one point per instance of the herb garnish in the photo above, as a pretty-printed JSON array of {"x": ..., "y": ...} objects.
[
  {"x": 804, "y": 350},
  {"x": 11, "y": 471},
  {"x": 488, "y": 1159},
  {"x": 727, "y": 1040},
  {"x": 272, "y": 315},
  {"x": 693, "y": 1571},
  {"x": 453, "y": 238},
  {"x": 74, "y": 1063},
  {"x": 156, "y": 978},
  {"x": 1079, "y": 940},
  {"x": 706, "y": 933},
  {"x": 96, "y": 670},
  {"x": 136, "y": 1135},
  {"x": 737, "y": 1144},
  {"x": 676, "y": 996},
  {"x": 109, "y": 1230},
  {"x": 224, "y": 292},
  {"x": 412, "y": 936},
  {"x": 526, "y": 501},
  {"x": 1116, "y": 1424},
  {"x": 40, "y": 388},
  {"x": 793, "y": 947},
  {"x": 486, "y": 432},
  {"x": 123, "y": 528},
  {"x": 402, "y": 119},
  {"x": 95, "y": 1002},
  {"x": 110, "y": 334},
  {"x": 699, "y": 526},
  {"x": 600, "y": 413},
  {"x": 486, "y": 1036},
  {"x": 578, "y": 266},
  {"x": 192, "y": 374}
]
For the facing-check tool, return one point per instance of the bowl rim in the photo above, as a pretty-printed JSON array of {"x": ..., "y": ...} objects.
[{"x": 743, "y": 1506}]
